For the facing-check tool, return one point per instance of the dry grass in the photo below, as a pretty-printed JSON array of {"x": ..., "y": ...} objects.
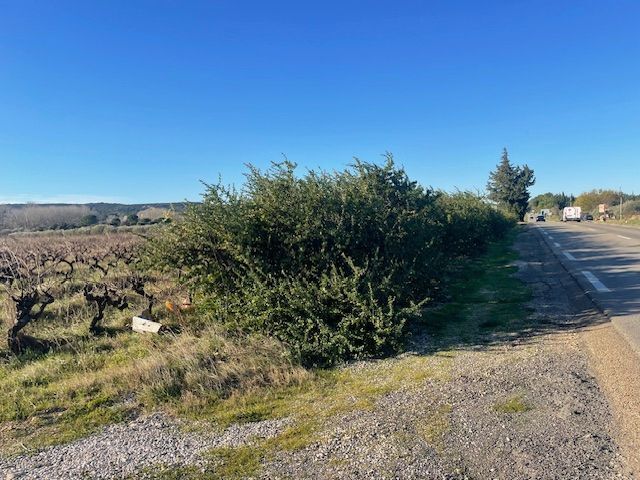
[
  {"x": 312, "y": 405},
  {"x": 65, "y": 395}
]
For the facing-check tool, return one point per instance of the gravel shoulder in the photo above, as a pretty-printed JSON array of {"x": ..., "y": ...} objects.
[
  {"x": 523, "y": 404},
  {"x": 617, "y": 368}
]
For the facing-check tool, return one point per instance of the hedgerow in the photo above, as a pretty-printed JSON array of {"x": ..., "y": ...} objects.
[{"x": 332, "y": 264}]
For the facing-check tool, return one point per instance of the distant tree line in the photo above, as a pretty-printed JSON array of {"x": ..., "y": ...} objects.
[
  {"x": 551, "y": 201},
  {"x": 40, "y": 217},
  {"x": 588, "y": 201}
]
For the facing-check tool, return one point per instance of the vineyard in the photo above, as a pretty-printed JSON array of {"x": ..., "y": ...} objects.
[
  {"x": 80, "y": 273},
  {"x": 71, "y": 363}
]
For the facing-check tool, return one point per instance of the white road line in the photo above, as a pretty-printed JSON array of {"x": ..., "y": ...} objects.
[
  {"x": 569, "y": 256},
  {"x": 550, "y": 237},
  {"x": 595, "y": 282},
  {"x": 556, "y": 244},
  {"x": 626, "y": 238}
]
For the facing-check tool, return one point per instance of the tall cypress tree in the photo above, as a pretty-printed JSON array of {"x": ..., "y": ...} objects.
[{"x": 508, "y": 186}]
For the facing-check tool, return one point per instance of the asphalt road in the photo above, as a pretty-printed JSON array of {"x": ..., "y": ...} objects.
[{"x": 605, "y": 259}]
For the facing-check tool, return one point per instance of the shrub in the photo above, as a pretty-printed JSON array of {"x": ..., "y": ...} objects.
[
  {"x": 88, "y": 220},
  {"x": 131, "y": 219},
  {"x": 471, "y": 223},
  {"x": 630, "y": 208},
  {"x": 332, "y": 264}
]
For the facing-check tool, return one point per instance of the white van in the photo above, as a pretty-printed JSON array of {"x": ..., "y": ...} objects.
[{"x": 571, "y": 214}]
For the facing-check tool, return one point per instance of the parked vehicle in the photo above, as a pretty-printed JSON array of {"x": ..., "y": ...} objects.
[
  {"x": 588, "y": 217},
  {"x": 540, "y": 218},
  {"x": 571, "y": 214}
]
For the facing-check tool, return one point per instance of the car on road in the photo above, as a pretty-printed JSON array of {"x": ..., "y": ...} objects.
[
  {"x": 588, "y": 217},
  {"x": 540, "y": 218}
]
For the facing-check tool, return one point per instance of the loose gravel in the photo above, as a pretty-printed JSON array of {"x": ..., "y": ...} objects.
[
  {"x": 522, "y": 407},
  {"x": 122, "y": 450}
]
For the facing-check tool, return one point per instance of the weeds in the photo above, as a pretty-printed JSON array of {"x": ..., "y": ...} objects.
[{"x": 513, "y": 404}]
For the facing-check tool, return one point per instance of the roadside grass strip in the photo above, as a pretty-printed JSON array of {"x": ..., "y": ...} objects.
[
  {"x": 598, "y": 285},
  {"x": 569, "y": 256},
  {"x": 485, "y": 299}
]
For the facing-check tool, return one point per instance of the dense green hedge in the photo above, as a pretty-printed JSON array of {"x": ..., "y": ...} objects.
[{"x": 333, "y": 264}]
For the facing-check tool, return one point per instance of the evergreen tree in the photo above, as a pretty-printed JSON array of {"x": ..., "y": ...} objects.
[{"x": 508, "y": 186}]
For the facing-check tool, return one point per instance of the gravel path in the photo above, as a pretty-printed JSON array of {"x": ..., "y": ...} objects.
[
  {"x": 520, "y": 407},
  {"x": 124, "y": 449}
]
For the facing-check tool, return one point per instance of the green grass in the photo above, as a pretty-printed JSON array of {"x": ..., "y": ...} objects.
[
  {"x": 485, "y": 299},
  {"x": 330, "y": 391},
  {"x": 513, "y": 404},
  {"x": 238, "y": 462}
]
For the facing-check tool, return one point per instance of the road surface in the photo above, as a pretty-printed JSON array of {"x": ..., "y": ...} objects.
[{"x": 605, "y": 259}]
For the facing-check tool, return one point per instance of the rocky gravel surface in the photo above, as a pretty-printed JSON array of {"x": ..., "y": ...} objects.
[
  {"x": 520, "y": 406},
  {"x": 122, "y": 450}
]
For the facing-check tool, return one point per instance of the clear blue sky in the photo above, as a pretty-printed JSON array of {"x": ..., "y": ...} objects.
[{"x": 137, "y": 101}]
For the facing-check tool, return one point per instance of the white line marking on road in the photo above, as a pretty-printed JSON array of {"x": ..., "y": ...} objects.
[
  {"x": 626, "y": 238},
  {"x": 550, "y": 237},
  {"x": 556, "y": 244},
  {"x": 595, "y": 282},
  {"x": 569, "y": 256}
]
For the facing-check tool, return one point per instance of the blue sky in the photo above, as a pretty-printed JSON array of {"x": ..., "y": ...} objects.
[{"x": 136, "y": 101}]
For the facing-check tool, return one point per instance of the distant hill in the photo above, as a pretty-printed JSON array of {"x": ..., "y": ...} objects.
[{"x": 18, "y": 217}]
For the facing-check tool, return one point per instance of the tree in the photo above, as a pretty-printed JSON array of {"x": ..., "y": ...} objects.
[
  {"x": 131, "y": 219},
  {"x": 551, "y": 201},
  {"x": 88, "y": 220},
  {"x": 589, "y": 201},
  {"x": 509, "y": 186}
]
